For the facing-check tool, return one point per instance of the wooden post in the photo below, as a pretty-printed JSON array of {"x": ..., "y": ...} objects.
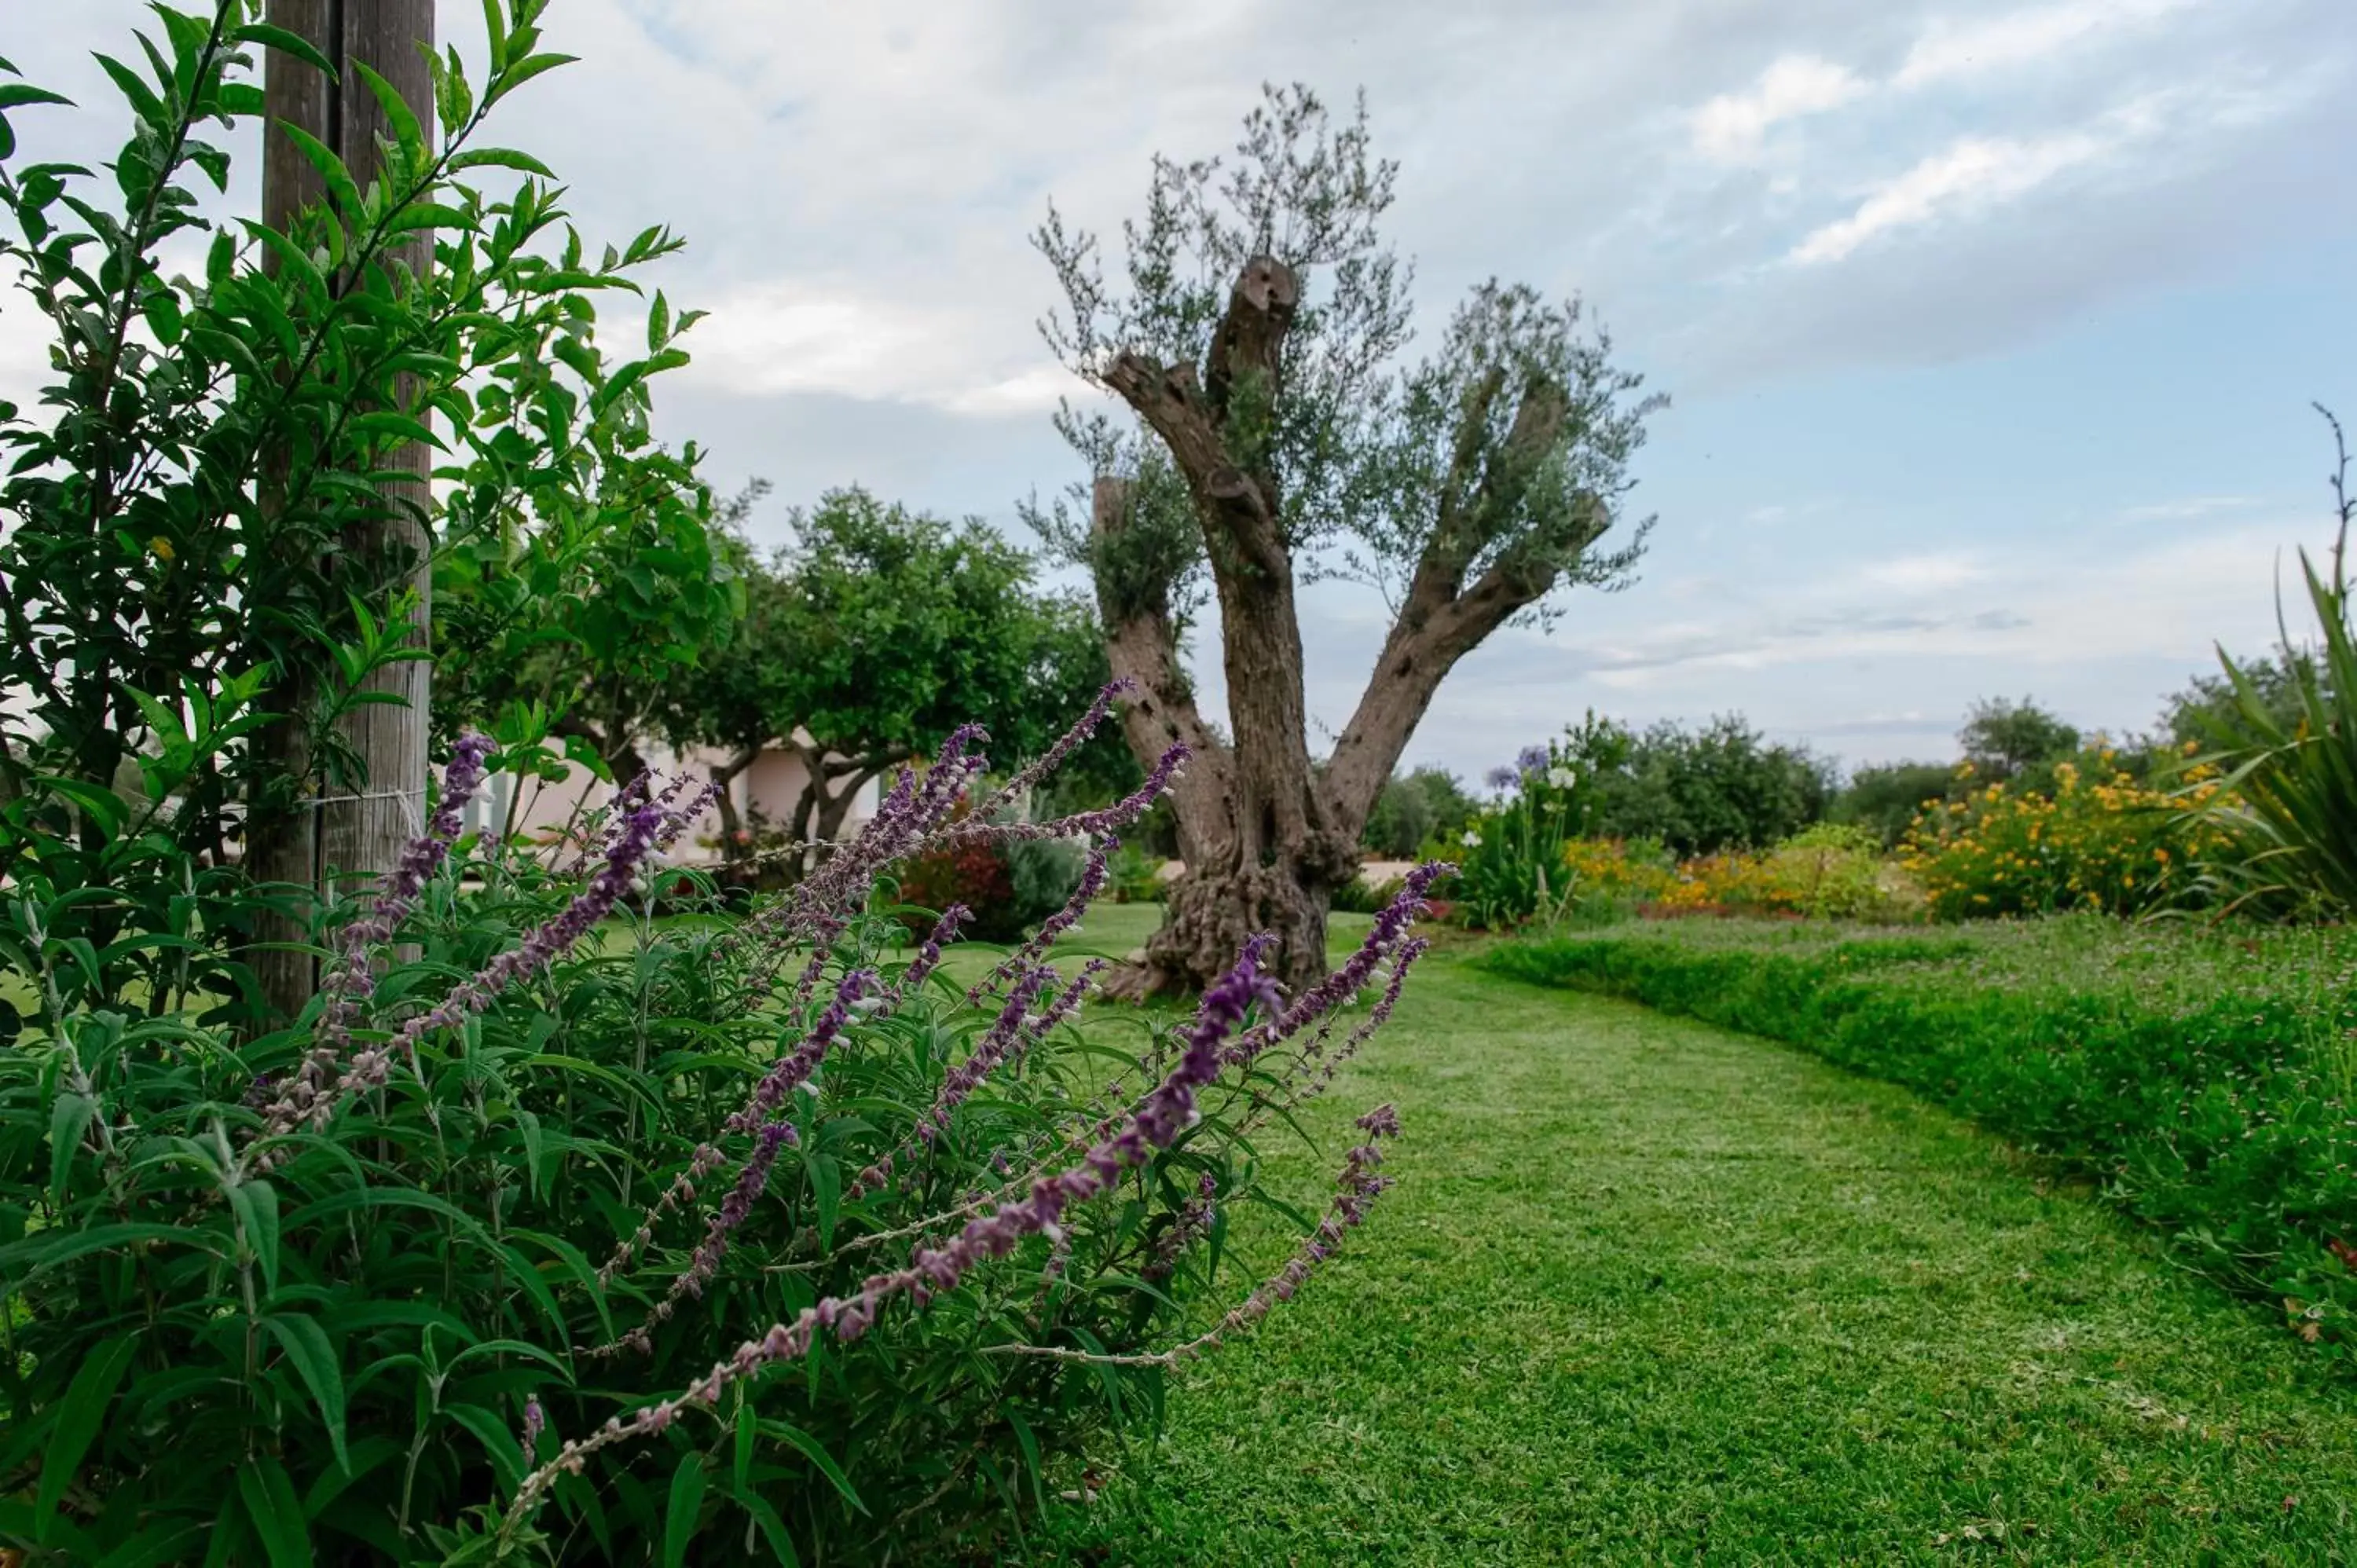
[{"x": 357, "y": 833}]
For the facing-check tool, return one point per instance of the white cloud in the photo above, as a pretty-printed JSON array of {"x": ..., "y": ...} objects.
[
  {"x": 1923, "y": 573},
  {"x": 1972, "y": 173},
  {"x": 1949, "y": 49},
  {"x": 793, "y": 337},
  {"x": 1733, "y": 127}
]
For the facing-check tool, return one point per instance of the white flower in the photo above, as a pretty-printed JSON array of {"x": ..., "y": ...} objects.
[
  {"x": 1471, "y": 840},
  {"x": 1562, "y": 778}
]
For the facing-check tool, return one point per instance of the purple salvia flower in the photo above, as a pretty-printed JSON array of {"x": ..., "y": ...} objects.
[
  {"x": 1066, "y": 744},
  {"x": 1391, "y": 927},
  {"x": 1094, "y": 878},
  {"x": 706, "y": 1160},
  {"x": 1356, "y": 1190},
  {"x": 1165, "y": 1114},
  {"x": 1112, "y": 819},
  {"x": 351, "y": 980},
  {"x": 794, "y": 1068},
  {"x": 929, "y": 957},
  {"x": 368, "y": 1068},
  {"x": 536, "y": 1422},
  {"x": 737, "y": 1208},
  {"x": 787, "y": 1073},
  {"x": 1007, "y": 1040},
  {"x": 1193, "y": 1220}
]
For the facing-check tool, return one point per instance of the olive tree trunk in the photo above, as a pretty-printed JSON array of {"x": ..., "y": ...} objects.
[{"x": 1266, "y": 837}]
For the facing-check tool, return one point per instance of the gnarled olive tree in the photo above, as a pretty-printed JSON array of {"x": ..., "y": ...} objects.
[{"x": 1268, "y": 438}]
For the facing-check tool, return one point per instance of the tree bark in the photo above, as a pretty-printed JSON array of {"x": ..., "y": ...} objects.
[
  {"x": 724, "y": 800},
  {"x": 292, "y": 837}
]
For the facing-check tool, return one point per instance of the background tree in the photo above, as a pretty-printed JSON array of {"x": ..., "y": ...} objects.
[
  {"x": 2005, "y": 740},
  {"x": 1413, "y": 810},
  {"x": 1884, "y": 798},
  {"x": 869, "y": 637},
  {"x": 582, "y": 589},
  {"x": 1723, "y": 786},
  {"x": 1269, "y": 437}
]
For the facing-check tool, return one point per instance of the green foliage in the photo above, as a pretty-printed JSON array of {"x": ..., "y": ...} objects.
[
  {"x": 2205, "y": 1076},
  {"x": 195, "y": 546},
  {"x": 1722, "y": 787},
  {"x": 877, "y": 630},
  {"x": 331, "y": 1356},
  {"x": 2098, "y": 841},
  {"x": 2007, "y": 741},
  {"x": 1884, "y": 799},
  {"x": 2290, "y": 738},
  {"x": 1510, "y": 859},
  {"x": 1137, "y": 875},
  {"x": 1426, "y": 807}
]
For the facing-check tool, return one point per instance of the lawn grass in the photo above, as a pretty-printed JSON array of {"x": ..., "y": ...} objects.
[{"x": 1650, "y": 1292}]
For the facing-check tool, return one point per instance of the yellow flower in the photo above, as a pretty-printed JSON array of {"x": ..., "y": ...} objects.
[{"x": 162, "y": 547}]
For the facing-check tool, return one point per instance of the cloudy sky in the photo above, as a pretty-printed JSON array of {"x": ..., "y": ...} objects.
[{"x": 1991, "y": 328}]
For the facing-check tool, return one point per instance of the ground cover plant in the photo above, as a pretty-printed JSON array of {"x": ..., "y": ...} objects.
[
  {"x": 2207, "y": 1077},
  {"x": 1649, "y": 1292}
]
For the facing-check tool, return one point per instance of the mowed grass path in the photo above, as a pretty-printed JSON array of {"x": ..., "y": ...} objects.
[{"x": 1647, "y": 1291}]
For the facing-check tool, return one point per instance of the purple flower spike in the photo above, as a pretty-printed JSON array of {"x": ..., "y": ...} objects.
[
  {"x": 1053, "y": 758},
  {"x": 1112, "y": 819},
  {"x": 351, "y": 980},
  {"x": 1161, "y": 1118}
]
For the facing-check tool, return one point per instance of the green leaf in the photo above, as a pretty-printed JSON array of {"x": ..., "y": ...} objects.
[
  {"x": 576, "y": 1262},
  {"x": 51, "y": 1249},
  {"x": 772, "y": 1528},
  {"x": 341, "y": 190},
  {"x": 79, "y": 1418},
  {"x": 535, "y": 1149},
  {"x": 746, "y": 1431},
  {"x": 827, "y": 1185},
  {"x": 501, "y": 1444},
  {"x": 679, "y": 1516},
  {"x": 495, "y": 30},
  {"x": 68, "y": 1120},
  {"x": 275, "y": 1511},
  {"x": 16, "y": 94},
  {"x": 524, "y": 70},
  {"x": 397, "y": 112},
  {"x": 391, "y": 422},
  {"x": 294, "y": 44},
  {"x": 256, "y": 1203},
  {"x": 314, "y": 1357},
  {"x": 1029, "y": 1443},
  {"x": 537, "y": 1288},
  {"x": 815, "y": 1452},
  {"x": 103, "y": 804},
  {"x": 501, "y": 157}
]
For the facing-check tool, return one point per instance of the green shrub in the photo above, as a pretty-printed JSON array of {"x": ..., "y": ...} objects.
[
  {"x": 1137, "y": 875},
  {"x": 2208, "y": 1080},
  {"x": 1360, "y": 896},
  {"x": 1415, "y": 810},
  {"x": 1826, "y": 872},
  {"x": 354, "y": 1290},
  {"x": 2099, "y": 842}
]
